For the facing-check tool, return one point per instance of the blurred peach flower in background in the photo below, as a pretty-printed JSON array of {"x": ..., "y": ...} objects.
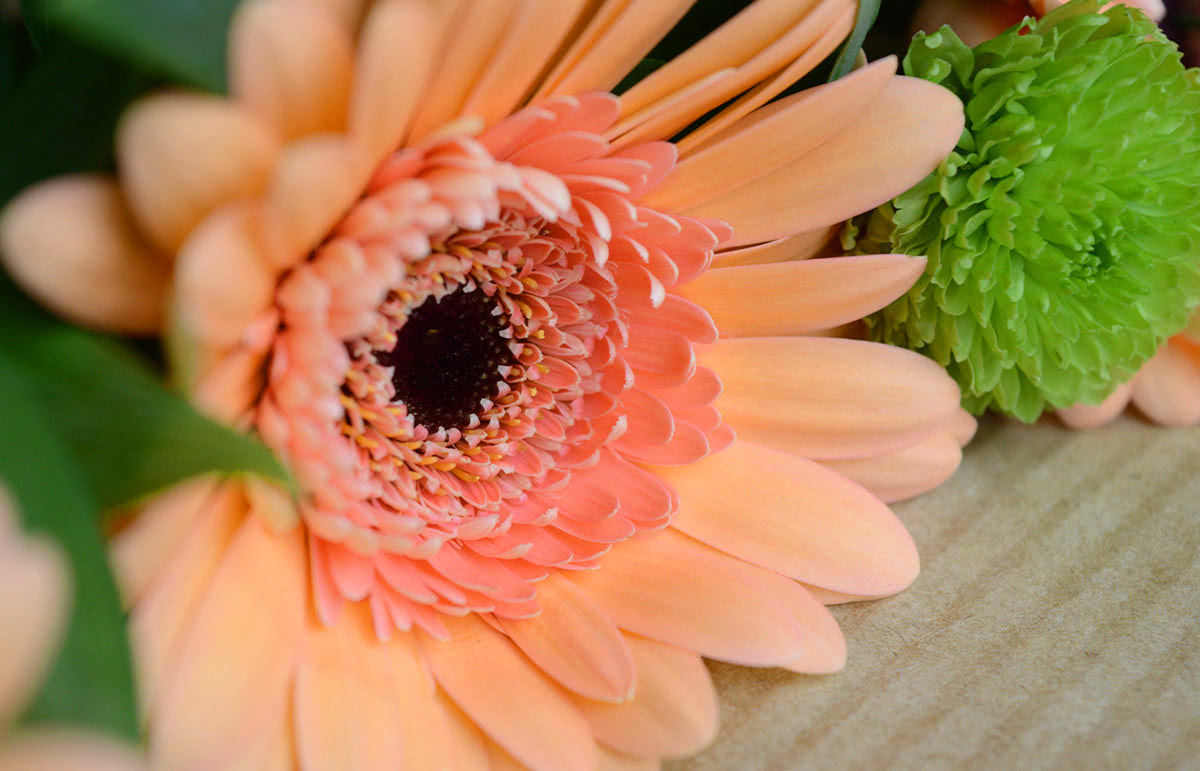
[
  {"x": 34, "y": 590},
  {"x": 563, "y": 398},
  {"x": 978, "y": 20}
]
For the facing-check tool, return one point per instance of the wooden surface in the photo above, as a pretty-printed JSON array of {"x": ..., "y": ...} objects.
[{"x": 1056, "y": 623}]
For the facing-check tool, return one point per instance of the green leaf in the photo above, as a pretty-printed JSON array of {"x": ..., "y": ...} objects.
[
  {"x": 183, "y": 40},
  {"x": 91, "y": 683},
  {"x": 131, "y": 436},
  {"x": 868, "y": 11},
  {"x": 58, "y": 115}
]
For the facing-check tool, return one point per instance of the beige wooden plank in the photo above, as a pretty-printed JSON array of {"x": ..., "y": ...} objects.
[{"x": 1056, "y": 623}]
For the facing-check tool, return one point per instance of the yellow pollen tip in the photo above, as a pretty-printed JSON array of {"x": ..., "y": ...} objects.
[
  {"x": 445, "y": 465},
  {"x": 463, "y": 475}
]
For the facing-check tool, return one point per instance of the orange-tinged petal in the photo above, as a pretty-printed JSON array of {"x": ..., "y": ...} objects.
[
  {"x": 237, "y": 658},
  {"x": 394, "y": 58},
  {"x": 824, "y": 644},
  {"x": 794, "y": 298},
  {"x": 1167, "y": 390},
  {"x": 183, "y": 155},
  {"x": 70, "y": 243},
  {"x": 730, "y": 45},
  {"x": 314, "y": 184},
  {"x": 797, "y": 50},
  {"x": 905, "y": 473},
  {"x": 673, "y": 712},
  {"x": 917, "y": 121},
  {"x": 611, "y": 760},
  {"x": 536, "y": 33},
  {"x": 600, "y": 16},
  {"x": 830, "y": 398},
  {"x": 159, "y": 618},
  {"x": 668, "y": 587},
  {"x": 348, "y": 712},
  {"x": 962, "y": 426},
  {"x": 292, "y": 64},
  {"x": 34, "y": 596},
  {"x": 801, "y": 246},
  {"x": 621, "y": 46},
  {"x": 508, "y": 697},
  {"x": 223, "y": 279},
  {"x": 771, "y": 138},
  {"x": 796, "y": 517},
  {"x": 144, "y": 546},
  {"x": 833, "y": 33},
  {"x": 62, "y": 750},
  {"x": 272, "y": 749},
  {"x": 473, "y": 33},
  {"x": 575, "y": 642},
  {"x": 1094, "y": 415}
]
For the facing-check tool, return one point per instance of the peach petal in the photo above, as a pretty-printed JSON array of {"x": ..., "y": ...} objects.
[
  {"x": 143, "y": 547},
  {"x": 771, "y": 138},
  {"x": 829, "y": 398},
  {"x": 1167, "y": 390},
  {"x": 837, "y": 180},
  {"x": 801, "y": 46},
  {"x": 159, "y": 618},
  {"x": 183, "y": 155},
  {"x": 71, "y": 244},
  {"x": 801, "y": 246},
  {"x": 795, "y": 298},
  {"x": 535, "y": 35},
  {"x": 441, "y": 735},
  {"x": 347, "y": 708},
  {"x": 238, "y": 656},
  {"x": 292, "y": 64},
  {"x": 315, "y": 182},
  {"x": 601, "y": 15},
  {"x": 473, "y": 32},
  {"x": 34, "y": 596},
  {"x": 508, "y": 697},
  {"x": 391, "y": 74},
  {"x": 611, "y": 760},
  {"x": 962, "y": 426},
  {"x": 62, "y": 750},
  {"x": 230, "y": 387},
  {"x": 905, "y": 473},
  {"x": 791, "y": 515},
  {"x": 824, "y": 644},
  {"x": 673, "y": 713},
  {"x": 272, "y": 749},
  {"x": 223, "y": 281},
  {"x": 731, "y": 45},
  {"x": 574, "y": 642},
  {"x": 833, "y": 31},
  {"x": 1095, "y": 415},
  {"x": 622, "y": 45},
  {"x": 668, "y": 587}
]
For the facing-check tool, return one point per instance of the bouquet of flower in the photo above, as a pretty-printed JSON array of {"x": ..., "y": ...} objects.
[{"x": 438, "y": 383}]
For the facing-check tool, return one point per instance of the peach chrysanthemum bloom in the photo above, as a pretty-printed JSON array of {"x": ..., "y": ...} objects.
[
  {"x": 472, "y": 300},
  {"x": 34, "y": 593},
  {"x": 978, "y": 20},
  {"x": 1166, "y": 390}
]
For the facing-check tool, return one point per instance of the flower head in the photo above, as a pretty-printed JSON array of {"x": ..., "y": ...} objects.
[
  {"x": 1062, "y": 234},
  {"x": 504, "y": 334}
]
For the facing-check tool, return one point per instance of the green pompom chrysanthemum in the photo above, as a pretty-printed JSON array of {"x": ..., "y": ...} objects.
[{"x": 1063, "y": 233}]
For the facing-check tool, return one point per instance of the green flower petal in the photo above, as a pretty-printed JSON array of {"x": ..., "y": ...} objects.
[{"x": 1063, "y": 232}]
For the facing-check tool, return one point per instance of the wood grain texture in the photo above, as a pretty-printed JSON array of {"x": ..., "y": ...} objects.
[{"x": 1056, "y": 623}]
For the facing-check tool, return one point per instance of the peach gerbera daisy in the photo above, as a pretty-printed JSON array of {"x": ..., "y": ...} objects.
[
  {"x": 34, "y": 593},
  {"x": 471, "y": 299}
]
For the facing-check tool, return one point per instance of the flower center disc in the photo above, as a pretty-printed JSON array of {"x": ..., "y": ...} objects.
[{"x": 446, "y": 358}]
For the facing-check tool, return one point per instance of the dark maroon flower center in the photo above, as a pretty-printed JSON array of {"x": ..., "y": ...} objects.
[{"x": 447, "y": 358}]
